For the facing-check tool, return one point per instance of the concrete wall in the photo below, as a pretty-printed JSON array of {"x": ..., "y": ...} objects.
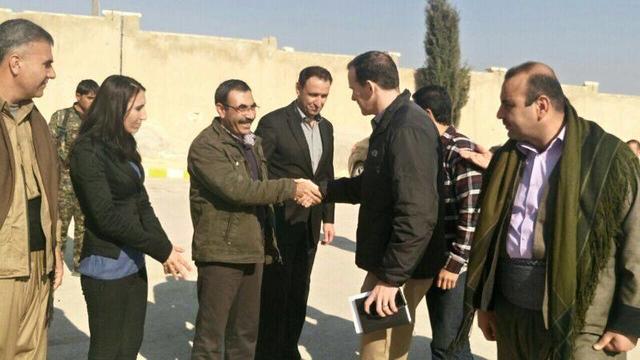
[{"x": 181, "y": 72}]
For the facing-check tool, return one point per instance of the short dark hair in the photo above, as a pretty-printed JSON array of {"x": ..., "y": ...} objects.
[
  {"x": 437, "y": 99},
  {"x": 87, "y": 86},
  {"x": 105, "y": 117},
  {"x": 223, "y": 90},
  {"x": 634, "y": 142},
  {"x": 539, "y": 83},
  {"x": 17, "y": 32},
  {"x": 314, "y": 71},
  {"x": 376, "y": 66}
]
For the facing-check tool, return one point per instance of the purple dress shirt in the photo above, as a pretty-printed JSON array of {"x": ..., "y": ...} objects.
[{"x": 537, "y": 169}]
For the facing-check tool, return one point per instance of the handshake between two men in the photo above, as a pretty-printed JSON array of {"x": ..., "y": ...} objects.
[{"x": 307, "y": 193}]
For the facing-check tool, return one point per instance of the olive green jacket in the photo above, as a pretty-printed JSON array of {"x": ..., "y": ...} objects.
[{"x": 224, "y": 200}]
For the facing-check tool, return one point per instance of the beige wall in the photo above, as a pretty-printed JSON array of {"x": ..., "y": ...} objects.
[
  {"x": 617, "y": 114},
  {"x": 181, "y": 72}
]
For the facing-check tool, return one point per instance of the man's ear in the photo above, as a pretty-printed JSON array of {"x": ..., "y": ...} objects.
[
  {"x": 371, "y": 88},
  {"x": 543, "y": 104},
  {"x": 298, "y": 89},
  {"x": 430, "y": 114},
  {"x": 221, "y": 109},
  {"x": 370, "y": 85},
  {"x": 15, "y": 63}
]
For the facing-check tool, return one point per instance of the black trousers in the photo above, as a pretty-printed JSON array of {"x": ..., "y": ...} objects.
[
  {"x": 117, "y": 310},
  {"x": 228, "y": 312},
  {"x": 285, "y": 291}
]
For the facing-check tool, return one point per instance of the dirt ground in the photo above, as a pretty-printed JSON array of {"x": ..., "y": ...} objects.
[{"x": 172, "y": 305}]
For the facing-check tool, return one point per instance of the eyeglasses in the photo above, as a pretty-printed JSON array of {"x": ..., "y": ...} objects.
[{"x": 242, "y": 108}]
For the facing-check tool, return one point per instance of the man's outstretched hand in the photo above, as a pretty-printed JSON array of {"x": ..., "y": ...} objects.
[{"x": 307, "y": 193}]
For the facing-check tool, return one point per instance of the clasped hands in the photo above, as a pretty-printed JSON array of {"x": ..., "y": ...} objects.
[
  {"x": 176, "y": 264},
  {"x": 307, "y": 193}
]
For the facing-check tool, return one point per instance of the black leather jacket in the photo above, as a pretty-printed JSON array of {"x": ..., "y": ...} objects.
[{"x": 398, "y": 197}]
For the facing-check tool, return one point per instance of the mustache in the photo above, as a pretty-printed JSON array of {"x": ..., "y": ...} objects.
[{"x": 246, "y": 121}]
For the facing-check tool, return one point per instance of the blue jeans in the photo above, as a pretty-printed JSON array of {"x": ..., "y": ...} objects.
[{"x": 445, "y": 313}]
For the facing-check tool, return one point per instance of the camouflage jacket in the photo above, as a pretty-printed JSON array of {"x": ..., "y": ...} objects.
[{"x": 65, "y": 127}]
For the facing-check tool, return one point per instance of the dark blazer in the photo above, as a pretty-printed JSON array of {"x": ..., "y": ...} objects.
[
  {"x": 398, "y": 194},
  {"x": 115, "y": 204},
  {"x": 287, "y": 153}
]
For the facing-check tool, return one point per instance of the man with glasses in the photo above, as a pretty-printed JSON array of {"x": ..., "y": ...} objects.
[
  {"x": 298, "y": 143},
  {"x": 233, "y": 224}
]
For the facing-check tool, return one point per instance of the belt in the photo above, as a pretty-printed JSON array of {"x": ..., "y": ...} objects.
[{"x": 522, "y": 282}]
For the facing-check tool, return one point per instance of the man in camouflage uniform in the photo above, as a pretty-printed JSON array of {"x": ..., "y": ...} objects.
[{"x": 65, "y": 126}]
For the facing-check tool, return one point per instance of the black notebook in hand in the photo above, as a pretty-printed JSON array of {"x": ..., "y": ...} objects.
[{"x": 366, "y": 323}]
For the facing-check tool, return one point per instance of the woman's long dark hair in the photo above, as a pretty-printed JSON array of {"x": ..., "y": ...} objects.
[{"x": 105, "y": 117}]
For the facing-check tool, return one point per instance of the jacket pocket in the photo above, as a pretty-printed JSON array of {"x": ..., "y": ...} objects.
[
  {"x": 237, "y": 160},
  {"x": 228, "y": 228}
]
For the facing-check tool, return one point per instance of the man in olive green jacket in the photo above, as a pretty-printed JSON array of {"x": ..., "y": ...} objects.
[{"x": 232, "y": 218}]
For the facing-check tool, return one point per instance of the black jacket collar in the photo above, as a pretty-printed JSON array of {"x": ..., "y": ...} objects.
[{"x": 388, "y": 113}]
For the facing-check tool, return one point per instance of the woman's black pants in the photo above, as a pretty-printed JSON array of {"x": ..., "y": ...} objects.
[{"x": 116, "y": 311}]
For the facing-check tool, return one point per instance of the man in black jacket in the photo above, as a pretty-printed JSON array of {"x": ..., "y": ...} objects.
[
  {"x": 298, "y": 143},
  {"x": 398, "y": 197}
]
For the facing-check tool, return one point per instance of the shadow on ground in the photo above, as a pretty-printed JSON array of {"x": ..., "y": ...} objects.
[
  {"x": 329, "y": 337},
  {"x": 170, "y": 324},
  {"x": 66, "y": 341},
  {"x": 345, "y": 244}
]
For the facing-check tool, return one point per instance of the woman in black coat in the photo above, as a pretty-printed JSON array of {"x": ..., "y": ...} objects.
[{"x": 121, "y": 227}]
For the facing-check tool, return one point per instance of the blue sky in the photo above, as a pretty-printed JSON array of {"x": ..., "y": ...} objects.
[{"x": 582, "y": 39}]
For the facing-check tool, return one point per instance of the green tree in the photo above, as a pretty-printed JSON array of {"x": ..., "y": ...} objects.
[{"x": 442, "y": 47}]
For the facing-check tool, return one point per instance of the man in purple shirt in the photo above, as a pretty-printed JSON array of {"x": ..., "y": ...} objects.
[{"x": 554, "y": 268}]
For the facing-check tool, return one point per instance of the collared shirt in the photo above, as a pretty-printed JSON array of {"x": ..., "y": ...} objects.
[
  {"x": 537, "y": 169},
  {"x": 312, "y": 135},
  {"x": 17, "y": 119},
  {"x": 247, "y": 139},
  {"x": 28, "y": 182},
  {"x": 461, "y": 188},
  {"x": 376, "y": 120}
]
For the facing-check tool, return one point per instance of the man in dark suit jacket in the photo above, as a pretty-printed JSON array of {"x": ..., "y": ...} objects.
[{"x": 298, "y": 143}]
